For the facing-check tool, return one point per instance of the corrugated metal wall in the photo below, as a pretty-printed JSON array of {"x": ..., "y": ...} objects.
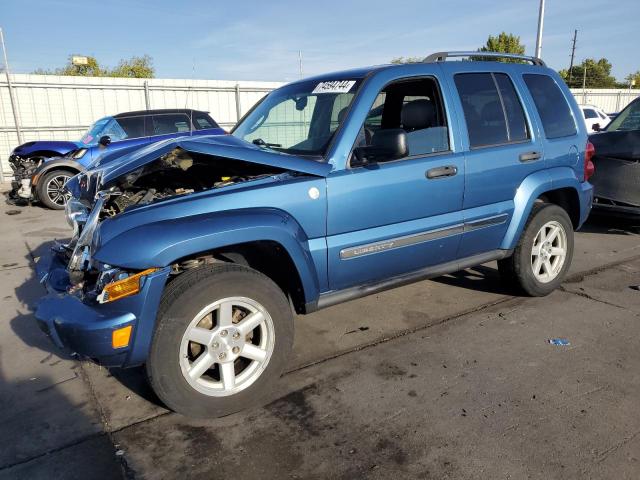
[
  {"x": 54, "y": 107},
  {"x": 610, "y": 100}
]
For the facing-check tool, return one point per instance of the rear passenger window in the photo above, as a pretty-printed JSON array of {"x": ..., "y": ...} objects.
[
  {"x": 552, "y": 106},
  {"x": 170, "y": 123},
  {"x": 492, "y": 109}
]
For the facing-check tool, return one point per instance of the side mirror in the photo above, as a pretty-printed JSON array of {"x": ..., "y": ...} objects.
[
  {"x": 596, "y": 127},
  {"x": 105, "y": 140},
  {"x": 386, "y": 145}
]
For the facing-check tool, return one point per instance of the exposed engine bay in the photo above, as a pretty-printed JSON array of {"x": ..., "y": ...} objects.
[
  {"x": 23, "y": 171},
  {"x": 179, "y": 172}
]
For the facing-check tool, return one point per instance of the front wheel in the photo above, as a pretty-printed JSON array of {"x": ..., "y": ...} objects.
[
  {"x": 543, "y": 256},
  {"x": 222, "y": 339},
  {"x": 50, "y": 189}
]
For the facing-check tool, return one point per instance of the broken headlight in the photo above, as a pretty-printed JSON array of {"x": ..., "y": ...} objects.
[
  {"x": 81, "y": 253},
  {"x": 76, "y": 214}
]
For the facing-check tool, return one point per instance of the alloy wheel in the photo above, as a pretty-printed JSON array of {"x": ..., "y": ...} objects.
[
  {"x": 227, "y": 346},
  {"x": 55, "y": 189},
  {"x": 549, "y": 251}
]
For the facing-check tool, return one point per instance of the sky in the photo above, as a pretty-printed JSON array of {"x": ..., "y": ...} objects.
[{"x": 253, "y": 40}]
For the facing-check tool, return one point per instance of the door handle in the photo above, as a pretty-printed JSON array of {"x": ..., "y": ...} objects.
[
  {"x": 439, "y": 172},
  {"x": 530, "y": 156}
]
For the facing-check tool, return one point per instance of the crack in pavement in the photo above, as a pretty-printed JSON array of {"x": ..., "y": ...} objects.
[{"x": 591, "y": 297}]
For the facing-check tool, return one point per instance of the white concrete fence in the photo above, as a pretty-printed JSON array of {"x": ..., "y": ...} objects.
[{"x": 54, "y": 107}]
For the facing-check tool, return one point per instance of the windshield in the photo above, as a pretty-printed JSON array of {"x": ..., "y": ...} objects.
[
  {"x": 93, "y": 134},
  {"x": 110, "y": 127},
  {"x": 629, "y": 119},
  {"x": 300, "y": 118}
]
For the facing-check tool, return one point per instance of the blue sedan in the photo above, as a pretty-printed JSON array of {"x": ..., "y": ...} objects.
[{"x": 42, "y": 168}]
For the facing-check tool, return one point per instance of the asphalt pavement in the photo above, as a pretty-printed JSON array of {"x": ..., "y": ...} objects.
[{"x": 449, "y": 378}]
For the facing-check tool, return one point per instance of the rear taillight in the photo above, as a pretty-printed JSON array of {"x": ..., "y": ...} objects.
[{"x": 589, "y": 167}]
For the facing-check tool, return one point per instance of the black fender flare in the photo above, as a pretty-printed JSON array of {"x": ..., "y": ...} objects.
[{"x": 56, "y": 164}]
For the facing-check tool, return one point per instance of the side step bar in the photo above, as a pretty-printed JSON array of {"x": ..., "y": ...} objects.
[{"x": 339, "y": 296}]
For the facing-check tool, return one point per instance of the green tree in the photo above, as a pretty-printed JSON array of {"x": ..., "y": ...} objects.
[
  {"x": 135, "y": 67},
  {"x": 503, "y": 43},
  {"x": 398, "y": 60},
  {"x": 595, "y": 73}
]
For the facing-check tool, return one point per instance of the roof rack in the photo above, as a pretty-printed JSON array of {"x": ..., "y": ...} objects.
[{"x": 442, "y": 56}]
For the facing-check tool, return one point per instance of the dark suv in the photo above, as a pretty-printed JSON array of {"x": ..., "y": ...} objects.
[{"x": 41, "y": 168}]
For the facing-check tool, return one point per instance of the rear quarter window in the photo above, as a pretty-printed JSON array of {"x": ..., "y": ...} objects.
[
  {"x": 202, "y": 121},
  {"x": 552, "y": 106}
]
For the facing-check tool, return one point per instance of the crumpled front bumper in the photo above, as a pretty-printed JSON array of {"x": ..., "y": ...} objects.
[{"x": 86, "y": 329}]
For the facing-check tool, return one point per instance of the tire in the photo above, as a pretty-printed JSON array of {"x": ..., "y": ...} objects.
[
  {"x": 175, "y": 360},
  {"x": 49, "y": 189},
  {"x": 518, "y": 271}
]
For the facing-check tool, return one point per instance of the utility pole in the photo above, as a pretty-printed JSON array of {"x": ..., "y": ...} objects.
[
  {"x": 540, "y": 25},
  {"x": 11, "y": 97},
  {"x": 584, "y": 83},
  {"x": 573, "y": 52},
  {"x": 10, "y": 85},
  {"x": 300, "y": 63}
]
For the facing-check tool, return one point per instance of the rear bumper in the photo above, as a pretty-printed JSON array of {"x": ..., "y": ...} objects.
[
  {"x": 86, "y": 329},
  {"x": 586, "y": 201}
]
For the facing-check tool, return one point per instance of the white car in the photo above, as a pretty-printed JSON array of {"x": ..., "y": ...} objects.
[{"x": 594, "y": 116}]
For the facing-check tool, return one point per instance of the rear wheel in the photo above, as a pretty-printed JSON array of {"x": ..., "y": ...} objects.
[
  {"x": 222, "y": 339},
  {"x": 50, "y": 189},
  {"x": 540, "y": 261}
]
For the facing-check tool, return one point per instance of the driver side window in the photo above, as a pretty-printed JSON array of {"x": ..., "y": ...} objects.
[{"x": 415, "y": 106}]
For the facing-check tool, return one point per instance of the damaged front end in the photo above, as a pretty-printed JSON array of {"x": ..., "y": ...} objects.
[
  {"x": 23, "y": 171},
  {"x": 91, "y": 297},
  {"x": 176, "y": 173}
]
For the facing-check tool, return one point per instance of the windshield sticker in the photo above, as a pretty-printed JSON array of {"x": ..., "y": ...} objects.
[{"x": 336, "y": 86}]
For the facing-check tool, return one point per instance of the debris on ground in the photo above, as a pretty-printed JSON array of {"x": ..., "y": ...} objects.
[
  {"x": 635, "y": 287},
  {"x": 13, "y": 212},
  {"x": 361, "y": 329},
  {"x": 559, "y": 342}
]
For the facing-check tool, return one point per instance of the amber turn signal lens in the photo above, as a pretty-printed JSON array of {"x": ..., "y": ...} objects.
[
  {"x": 125, "y": 287},
  {"x": 120, "y": 337}
]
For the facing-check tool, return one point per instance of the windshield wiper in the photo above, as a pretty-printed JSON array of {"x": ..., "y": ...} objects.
[{"x": 261, "y": 143}]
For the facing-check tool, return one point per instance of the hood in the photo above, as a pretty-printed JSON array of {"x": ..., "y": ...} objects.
[
  {"x": 58, "y": 146},
  {"x": 226, "y": 146},
  {"x": 110, "y": 167}
]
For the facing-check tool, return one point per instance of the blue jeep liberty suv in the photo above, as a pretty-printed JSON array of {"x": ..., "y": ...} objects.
[{"x": 191, "y": 254}]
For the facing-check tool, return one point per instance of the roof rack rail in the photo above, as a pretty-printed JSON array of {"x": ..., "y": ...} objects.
[{"x": 442, "y": 56}]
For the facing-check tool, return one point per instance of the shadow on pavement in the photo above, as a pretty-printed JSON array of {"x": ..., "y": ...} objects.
[
  {"x": 49, "y": 426},
  {"x": 481, "y": 278},
  {"x": 607, "y": 224},
  {"x": 26, "y": 329}
]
